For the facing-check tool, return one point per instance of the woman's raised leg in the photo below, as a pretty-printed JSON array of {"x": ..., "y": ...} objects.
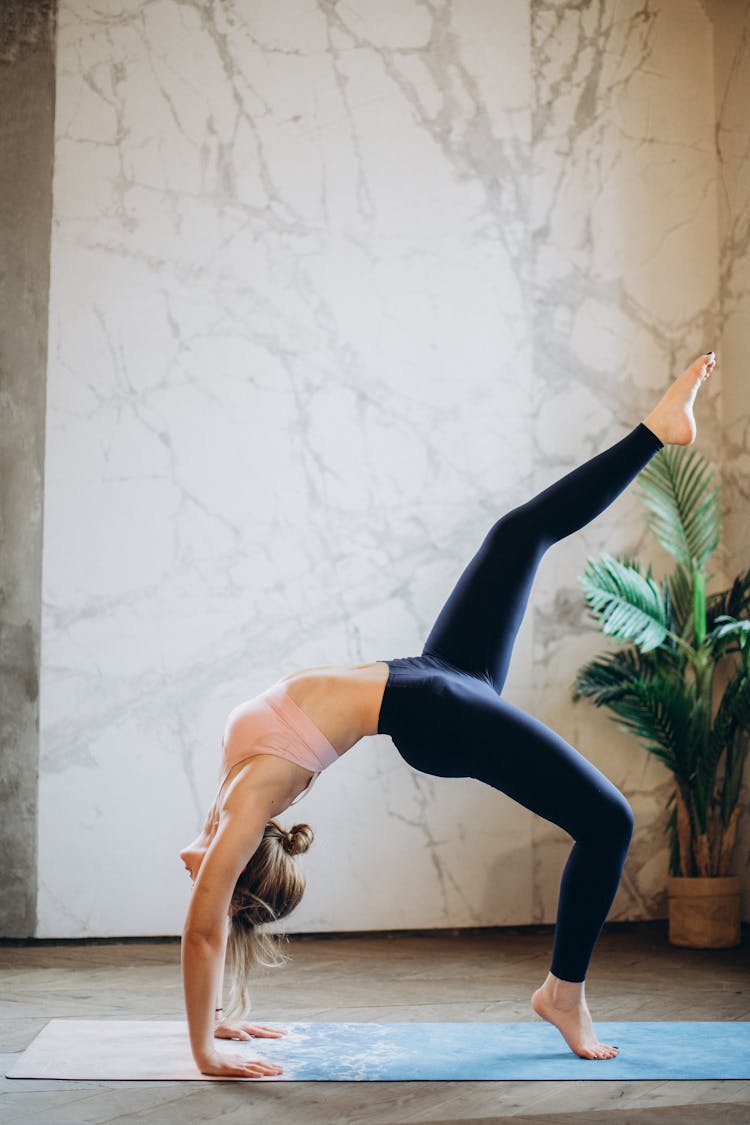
[{"x": 477, "y": 626}]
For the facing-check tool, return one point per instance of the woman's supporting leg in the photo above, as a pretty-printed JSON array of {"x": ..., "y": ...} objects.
[
  {"x": 520, "y": 756},
  {"x": 478, "y": 624}
]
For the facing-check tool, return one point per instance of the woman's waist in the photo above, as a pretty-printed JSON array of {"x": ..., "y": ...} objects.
[
  {"x": 417, "y": 683},
  {"x": 342, "y": 702},
  {"x": 427, "y": 666}
]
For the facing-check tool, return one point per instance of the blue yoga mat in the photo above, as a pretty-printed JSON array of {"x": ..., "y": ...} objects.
[
  {"x": 138, "y": 1050},
  {"x": 471, "y": 1052}
]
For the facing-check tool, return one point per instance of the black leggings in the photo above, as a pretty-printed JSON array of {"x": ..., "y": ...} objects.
[{"x": 444, "y": 712}]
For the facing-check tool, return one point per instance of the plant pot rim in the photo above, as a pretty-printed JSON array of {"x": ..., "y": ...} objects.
[{"x": 704, "y": 885}]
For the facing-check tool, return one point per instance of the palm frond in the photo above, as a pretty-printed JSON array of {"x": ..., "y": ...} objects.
[
  {"x": 734, "y": 602},
  {"x": 647, "y": 700},
  {"x": 664, "y": 714},
  {"x": 734, "y": 709},
  {"x": 672, "y": 836},
  {"x": 726, "y": 630},
  {"x": 685, "y": 514},
  {"x": 610, "y": 676},
  {"x": 742, "y": 705},
  {"x": 699, "y": 607},
  {"x": 731, "y": 718},
  {"x": 681, "y": 593},
  {"x": 628, "y": 605},
  {"x": 607, "y": 677}
]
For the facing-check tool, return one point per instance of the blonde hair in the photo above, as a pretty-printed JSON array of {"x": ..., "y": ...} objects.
[{"x": 268, "y": 889}]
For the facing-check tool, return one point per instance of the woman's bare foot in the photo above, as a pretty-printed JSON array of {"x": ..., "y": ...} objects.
[
  {"x": 562, "y": 1003},
  {"x": 672, "y": 418}
]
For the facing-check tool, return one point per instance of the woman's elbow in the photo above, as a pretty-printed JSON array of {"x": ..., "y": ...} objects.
[{"x": 197, "y": 937}]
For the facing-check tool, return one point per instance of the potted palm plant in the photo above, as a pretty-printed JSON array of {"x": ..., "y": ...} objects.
[{"x": 682, "y": 686}]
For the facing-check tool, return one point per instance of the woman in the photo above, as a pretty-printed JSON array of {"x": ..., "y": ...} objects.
[{"x": 444, "y": 712}]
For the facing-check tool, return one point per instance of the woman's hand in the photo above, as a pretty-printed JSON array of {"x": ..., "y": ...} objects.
[
  {"x": 237, "y": 1066},
  {"x": 241, "y": 1029}
]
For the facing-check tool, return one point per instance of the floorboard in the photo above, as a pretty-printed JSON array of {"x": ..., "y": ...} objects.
[{"x": 484, "y": 975}]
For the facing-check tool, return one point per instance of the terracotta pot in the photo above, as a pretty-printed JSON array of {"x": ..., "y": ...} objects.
[{"x": 704, "y": 911}]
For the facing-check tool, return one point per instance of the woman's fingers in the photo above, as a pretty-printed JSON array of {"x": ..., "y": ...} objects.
[
  {"x": 262, "y": 1032},
  {"x": 255, "y": 1068},
  {"x": 236, "y": 1066},
  {"x": 226, "y": 1032},
  {"x": 260, "y": 1069},
  {"x": 244, "y": 1030},
  {"x": 271, "y": 1068}
]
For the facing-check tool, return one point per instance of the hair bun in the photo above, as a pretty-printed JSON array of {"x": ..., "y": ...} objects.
[{"x": 298, "y": 839}]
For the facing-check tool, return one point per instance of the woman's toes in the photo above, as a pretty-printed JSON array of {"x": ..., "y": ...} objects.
[
  {"x": 603, "y": 1051},
  {"x": 706, "y": 364}
]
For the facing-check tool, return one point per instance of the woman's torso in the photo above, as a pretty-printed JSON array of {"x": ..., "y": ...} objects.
[
  {"x": 347, "y": 703},
  {"x": 342, "y": 701}
]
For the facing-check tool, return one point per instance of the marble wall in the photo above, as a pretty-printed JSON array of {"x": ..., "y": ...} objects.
[{"x": 332, "y": 287}]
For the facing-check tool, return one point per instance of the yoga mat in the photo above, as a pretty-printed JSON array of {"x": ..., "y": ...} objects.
[{"x": 391, "y": 1052}]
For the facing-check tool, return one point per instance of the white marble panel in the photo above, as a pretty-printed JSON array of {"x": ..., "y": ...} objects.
[
  {"x": 332, "y": 287},
  {"x": 289, "y": 390}
]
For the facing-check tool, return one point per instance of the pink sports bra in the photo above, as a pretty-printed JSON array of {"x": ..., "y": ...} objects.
[{"x": 272, "y": 723}]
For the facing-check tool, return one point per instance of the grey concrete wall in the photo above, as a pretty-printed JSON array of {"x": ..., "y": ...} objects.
[{"x": 27, "y": 85}]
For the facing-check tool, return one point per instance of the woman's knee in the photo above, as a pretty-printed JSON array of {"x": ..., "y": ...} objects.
[
  {"x": 610, "y": 821},
  {"x": 617, "y": 819},
  {"x": 518, "y": 536}
]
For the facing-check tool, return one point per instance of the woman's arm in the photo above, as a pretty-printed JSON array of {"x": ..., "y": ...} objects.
[
  {"x": 249, "y": 804},
  {"x": 201, "y": 962},
  {"x": 204, "y": 933},
  {"x": 219, "y": 1006}
]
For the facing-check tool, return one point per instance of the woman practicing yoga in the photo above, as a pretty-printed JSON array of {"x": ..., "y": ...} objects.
[{"x": 445, "y": 714}]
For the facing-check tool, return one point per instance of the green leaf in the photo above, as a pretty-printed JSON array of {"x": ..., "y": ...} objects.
[
  {"x": 629, "y": 606},
  {"x": 734, "y": 602},
  {"x": 685, "y": 514},
  {"x": 729, "y": 734},
  {"x": 726, "y": 632},
  {"x": 681, "y": 592},
  {"x": 611, "y": 676},
  {"x": 606, "y": 677},
  {"x": 665, "y": 715},
  {"x": 733, "y": 627},
  {"x": 699, "y": 607}
]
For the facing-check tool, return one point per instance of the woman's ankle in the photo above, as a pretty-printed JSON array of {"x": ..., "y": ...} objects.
[{"x": 564, "y": 993}]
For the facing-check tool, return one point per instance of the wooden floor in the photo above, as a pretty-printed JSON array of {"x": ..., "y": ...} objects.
[{"x": 486, "y": 975}]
